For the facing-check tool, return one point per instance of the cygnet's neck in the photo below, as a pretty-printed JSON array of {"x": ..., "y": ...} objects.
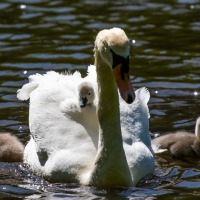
[{"x": 110, "y": 167}]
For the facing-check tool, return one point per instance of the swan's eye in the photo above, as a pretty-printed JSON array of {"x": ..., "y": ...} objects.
[{"x": 89, "y": 93}]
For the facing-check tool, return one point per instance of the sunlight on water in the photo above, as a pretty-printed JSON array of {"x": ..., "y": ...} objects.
[{"x": 38, "y": 36}]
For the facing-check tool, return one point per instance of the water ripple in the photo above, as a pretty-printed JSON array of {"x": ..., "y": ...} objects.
[{"x": 38, "y": 36}]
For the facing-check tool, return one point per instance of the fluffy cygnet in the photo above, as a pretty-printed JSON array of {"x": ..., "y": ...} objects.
[
  {"x": 11, "y": 149},
  {"x": 86, "y": 94},
  {"x": 180, "y": 144}
]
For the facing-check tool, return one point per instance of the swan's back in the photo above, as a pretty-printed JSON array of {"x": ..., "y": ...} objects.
[{"x": 46, "y": 100}]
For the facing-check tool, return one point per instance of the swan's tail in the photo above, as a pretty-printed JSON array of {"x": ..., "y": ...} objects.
[{"x": 24, "y": 93}]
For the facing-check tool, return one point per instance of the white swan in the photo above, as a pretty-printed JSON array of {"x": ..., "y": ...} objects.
[
  {"x": 135, "y": 129},
  {"x": 69, "y": 142}
]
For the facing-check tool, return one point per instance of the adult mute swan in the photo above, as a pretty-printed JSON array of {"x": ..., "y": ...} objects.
[
  {"x": 180, "y": 144},
  {"x": 66, "y": 146},
  {"x": 135, "y": 127}
]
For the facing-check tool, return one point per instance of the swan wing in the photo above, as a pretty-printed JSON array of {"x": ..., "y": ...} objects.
[
  {"x": 24, "y": 93},
  {"x": 56, "y": 125},
  {"x": 135, "y": 118}
]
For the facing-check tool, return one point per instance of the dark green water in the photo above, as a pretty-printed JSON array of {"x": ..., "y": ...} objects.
[{"x": 41, "y": 35}]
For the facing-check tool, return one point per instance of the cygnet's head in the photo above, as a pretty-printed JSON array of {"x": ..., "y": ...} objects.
[{"x": 86, "y": 94}]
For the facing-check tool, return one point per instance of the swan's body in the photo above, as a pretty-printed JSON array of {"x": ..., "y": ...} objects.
[
  {"x": 134, "y": 117},
  {"x": 180, "y": 144},
  {"x": 135, "y": 129},
  {"x": 89, "y": 148},
  {"x": 11, "y": 149}
]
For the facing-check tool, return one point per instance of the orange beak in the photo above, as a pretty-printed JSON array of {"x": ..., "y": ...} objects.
[{"x": 124, "y": 84}]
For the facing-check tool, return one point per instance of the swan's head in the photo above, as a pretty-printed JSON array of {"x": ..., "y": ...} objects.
[
  {"x": 114, "y": 48},
  {"x": 86, "y": 94}
]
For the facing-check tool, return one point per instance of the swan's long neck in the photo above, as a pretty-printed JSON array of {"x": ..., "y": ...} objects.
[
  {"x": 110, "y": 167},
  {"x": 108, "y": 106}
]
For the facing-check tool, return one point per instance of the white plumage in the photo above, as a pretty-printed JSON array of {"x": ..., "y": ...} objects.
[{"x": 65, "y": 144}]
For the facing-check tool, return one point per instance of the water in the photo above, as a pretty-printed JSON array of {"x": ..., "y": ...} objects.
[{"x": 37, "y": 36}]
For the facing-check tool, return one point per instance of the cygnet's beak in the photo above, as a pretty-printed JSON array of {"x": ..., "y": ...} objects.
[{"x": 83, "y": 102}]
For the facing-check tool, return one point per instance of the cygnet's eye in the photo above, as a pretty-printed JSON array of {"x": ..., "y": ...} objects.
[{"x": 89, "y": 93}]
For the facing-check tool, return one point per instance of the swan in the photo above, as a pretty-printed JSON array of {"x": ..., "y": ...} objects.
[
  {"x": 82, "y": 148},
  {"x": 180, "y": 144},
  {"x": 135, "y": 128},
  {"x": 11, "y": 149},
  {"x": 88, "y": 96}
]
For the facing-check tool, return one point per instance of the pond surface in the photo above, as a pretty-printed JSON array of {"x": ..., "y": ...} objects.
[{"x": 41, "y": 35}]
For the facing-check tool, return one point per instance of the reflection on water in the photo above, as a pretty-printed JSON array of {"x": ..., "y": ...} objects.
[{"x": 37, "y": 36}]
